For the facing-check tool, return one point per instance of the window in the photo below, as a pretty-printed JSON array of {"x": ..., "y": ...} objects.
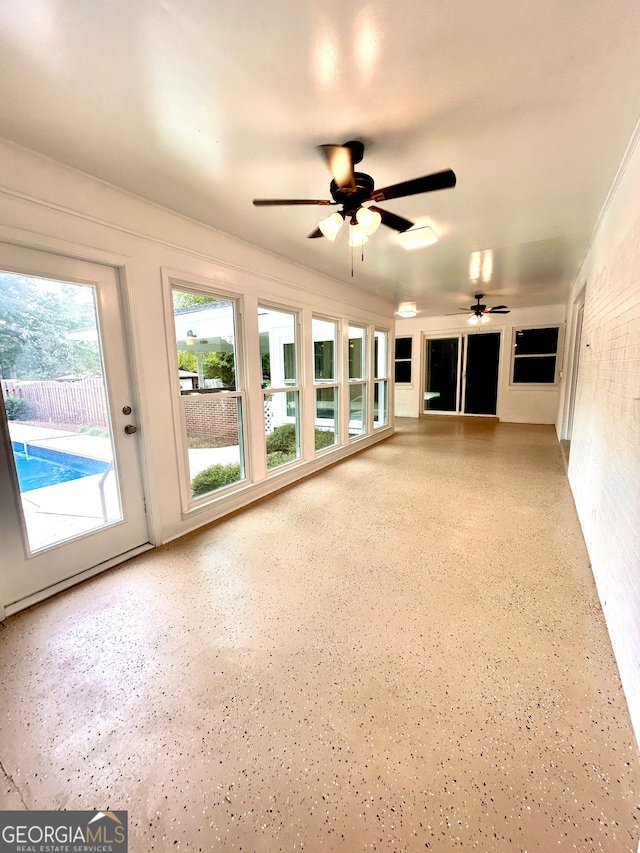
[
  {"x": 404, "y": 347},
  {"x": 210, "y": 391},
  {"x": 326, "y": 390},
  {"x": 357, "y": 385},
  {"x": 281, "y": 391},
  {"x": 381, "y": 384},
  {"x": 535, "y": 355}
]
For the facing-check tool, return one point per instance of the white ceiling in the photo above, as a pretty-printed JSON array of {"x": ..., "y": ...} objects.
[{"x": 202, "y": 105}]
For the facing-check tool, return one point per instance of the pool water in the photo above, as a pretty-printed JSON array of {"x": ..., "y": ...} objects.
[{"x": 51, "y": 467}]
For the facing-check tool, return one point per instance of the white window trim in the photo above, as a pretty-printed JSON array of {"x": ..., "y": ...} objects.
[
  {"x": 537, "y": 386},
  {"x": 395, "y": 360},
  {"x": 172, "y": 280}
]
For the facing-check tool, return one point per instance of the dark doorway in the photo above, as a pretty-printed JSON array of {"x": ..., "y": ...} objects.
[
  {"x": 481, "y": 393},
  {"x": 441, "y": 375}
]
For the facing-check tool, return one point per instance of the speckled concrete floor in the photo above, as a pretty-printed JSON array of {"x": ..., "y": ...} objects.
[{"x": 405, "y": 652}]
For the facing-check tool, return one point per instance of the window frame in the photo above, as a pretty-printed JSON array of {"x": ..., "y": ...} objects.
[
  {"x": 557, "y": 355},
  {"x": 403, "y": 360},
  {"x": 334, "y": 383},
  {"x": 381, "y": 382},
  {"x": 297, "y": 419},
  {"x": 205, "y": 287},
  {"x": 364, "y": 380}
]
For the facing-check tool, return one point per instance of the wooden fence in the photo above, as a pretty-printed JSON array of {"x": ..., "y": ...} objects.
[{"x": 80, "y": 402}]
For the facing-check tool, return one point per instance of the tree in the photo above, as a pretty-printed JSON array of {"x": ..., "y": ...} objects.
[
  {"x": 182, "y": 299},
  {"x": 215, "y": 365},
  {"x": 37, "y": 315},
  {"x": 187, "y": 361},
  {"x": 219, "y": 365}
]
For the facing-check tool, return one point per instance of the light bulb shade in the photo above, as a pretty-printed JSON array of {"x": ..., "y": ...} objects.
[
  {"x": 473, "y": 319},
  {"x": 484, "y": 319},
  {"x": 357, "y": 236},
  {"x": 416, "y": 237},
  {"x": 331, "y": 225},
  {"x": 368, "y": 220}
]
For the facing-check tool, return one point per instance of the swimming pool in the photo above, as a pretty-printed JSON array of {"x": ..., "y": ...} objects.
[{"x": 41, "y": 466}]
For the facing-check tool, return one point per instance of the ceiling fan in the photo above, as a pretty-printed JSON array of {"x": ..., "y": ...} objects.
[
  {"x": 353, "y": 190},
  {"x": 480, "y": 312}
]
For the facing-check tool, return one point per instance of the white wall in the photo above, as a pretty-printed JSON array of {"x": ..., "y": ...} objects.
[
  {"x": 604, "y": 465},
  {"x": 46, "y": 205},
  {"x": 516, "y": 403}
]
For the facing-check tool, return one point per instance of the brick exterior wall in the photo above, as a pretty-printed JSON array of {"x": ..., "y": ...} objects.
[
  {"x": 604, "y": 464},
  {"x": 211, "y": 421}
]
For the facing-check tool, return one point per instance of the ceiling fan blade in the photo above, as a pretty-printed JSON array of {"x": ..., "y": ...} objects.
[
  {"x": 438, "y": 181},
  {"x": 497, "y": 311},
  {"x": 314, "y": 234},
  {"x": 498, "y": 308},
  {"x": 340, "y": 162},
  {"x": 270, "y": 202},
  {"x": 392, "y": 220}
]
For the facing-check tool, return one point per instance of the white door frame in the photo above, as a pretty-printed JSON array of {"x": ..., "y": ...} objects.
[
  {"x": 460, "y": 371},
  {"x": 574, "y": 363},
  {"x": 461, "y": 378},
  {"x": 30, "y": 577}
]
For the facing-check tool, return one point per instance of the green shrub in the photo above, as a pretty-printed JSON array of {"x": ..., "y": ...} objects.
[
  {"x": 93, "y": 431},
  {"x": 17, "y": 408},
  {"x": 324, "y": 438},
  {"x": 282, "y": 439},
  {"x": 214, "y": 477},
  {"x": 279, "y": 457}
]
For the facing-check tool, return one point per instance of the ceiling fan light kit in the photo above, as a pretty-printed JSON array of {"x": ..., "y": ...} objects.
[
  {"x": 480, "y": 312},
  {"x": 331, "y": 225},
  {"x": 474, "y": 319},
  {"x": 369, "y": 220},
  {"x": 357, "y": 235},
  {"x": 354, "y": 190}
]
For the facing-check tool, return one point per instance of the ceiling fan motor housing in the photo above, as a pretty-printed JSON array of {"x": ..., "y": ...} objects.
[
  {"x": 357, "y": 150},
  {"x": 350, "y": 199},
  {"x": 479, "y": 308}
]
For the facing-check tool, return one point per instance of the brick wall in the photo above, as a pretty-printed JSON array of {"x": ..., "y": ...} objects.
[
  {"x": 211, "y": 421},
  {"x": 604, "y": 465}
]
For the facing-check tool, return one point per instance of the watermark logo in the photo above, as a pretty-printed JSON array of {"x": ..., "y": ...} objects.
[{"x": 63, "y": 832}]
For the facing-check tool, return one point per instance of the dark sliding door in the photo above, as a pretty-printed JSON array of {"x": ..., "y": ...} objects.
[
  {"x": 481, "y": 392},
  {"x": 441, "y": 375}
]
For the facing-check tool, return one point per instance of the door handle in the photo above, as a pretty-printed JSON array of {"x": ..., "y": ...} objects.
[{"x": 130, "y": 429}]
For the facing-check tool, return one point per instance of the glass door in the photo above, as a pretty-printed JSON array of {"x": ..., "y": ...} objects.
[
  {"x": 461, "y": 374},
  {"x": 69, "y": 463},
  {"x": 442, "y": 372},
  {"x": 481, "y": 375}
]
